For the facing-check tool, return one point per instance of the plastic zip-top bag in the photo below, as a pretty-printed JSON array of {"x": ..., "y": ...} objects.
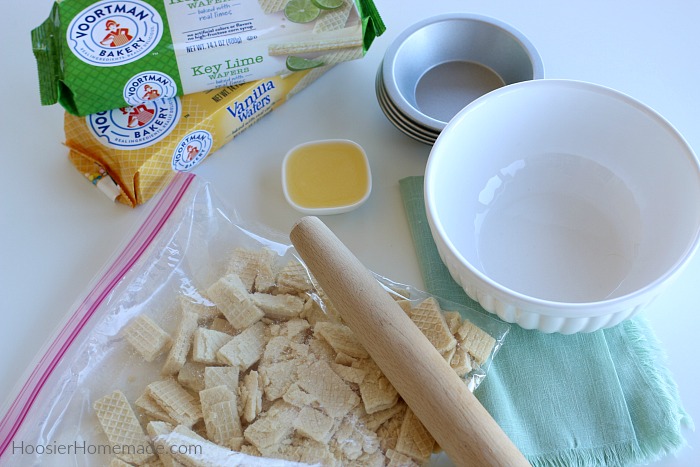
[{"x": 205, "y": 341}]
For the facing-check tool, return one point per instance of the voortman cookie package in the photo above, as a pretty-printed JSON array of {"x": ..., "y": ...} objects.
[
  {"x": 131, "y": 153},
  {"x": 205, "y": 341},
  {"x": 94, "y": 56}
]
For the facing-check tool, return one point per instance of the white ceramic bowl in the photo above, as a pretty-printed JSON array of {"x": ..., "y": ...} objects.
[{"x": 561, "y": 205}]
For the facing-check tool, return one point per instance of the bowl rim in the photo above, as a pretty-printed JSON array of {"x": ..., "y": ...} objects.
[
  {"x": 554, "y": 307},
  {"x": 331, "y": 209},
  {"x": 390, "y": 54}
]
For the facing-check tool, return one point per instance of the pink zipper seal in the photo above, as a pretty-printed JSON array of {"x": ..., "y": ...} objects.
[{"x": 18, "y": 410}]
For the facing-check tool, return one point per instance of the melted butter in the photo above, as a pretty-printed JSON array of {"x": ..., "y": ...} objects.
[{"x": 327, "y": 174}]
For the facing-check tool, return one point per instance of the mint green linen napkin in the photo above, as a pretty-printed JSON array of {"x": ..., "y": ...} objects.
[{"x": 601, "y": 398}]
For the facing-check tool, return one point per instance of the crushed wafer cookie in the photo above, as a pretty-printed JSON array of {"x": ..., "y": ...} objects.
[
  {"x": 234, "y": 300},
  {"x": 341, "y": 338},
  {"x": 314, "y": 424},
  {"x": 222, "y": 325},
  {"x": 205, "y": 310},
  {"x": 220, "y": 411},
  {"x": 147, "y": 338},
  {"x": 453, "y": 320},
  {"x": 428, "y": 316},
  {"x": 414, "y": 439},
  {"x": 181, "y": 343},
  {"x": 460, "y": 361},
  {"x": 221, "y": 376},
  {"x": 156, "y": 430},
  {"x": 293, "y": 387},
  {"x": 247, "y": 264},
  {"x": 376, "y": 390},
  {"x": 146, "y": 405},
  {"x": 122, "y": 428},
  {"x": 279, "y": 307},
  {"x": 177, "y": 402},
  {"x": 293, "y": 278},
  {"x": 334, "y": 396},
  {"x": 397, "y": 459},
  {"x": 191, "y": 375},
  {"x": 273, "y": 427},
  {"x": 478, "y": 343},
  {"x": 206, "y": 343},
  {"x": 244, "y": 349},
  {"x": 251, "y": 396}
]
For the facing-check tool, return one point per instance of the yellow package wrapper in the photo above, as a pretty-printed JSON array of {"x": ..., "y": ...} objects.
[{"x": 131, "y": 153}]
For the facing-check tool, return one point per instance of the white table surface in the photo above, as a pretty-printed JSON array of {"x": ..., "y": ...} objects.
[{"x": 57, "y": 230}]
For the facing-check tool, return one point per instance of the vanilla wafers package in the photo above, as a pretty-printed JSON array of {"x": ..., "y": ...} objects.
[
  {"x": 131, "y": 153},
  {"x": 205, "y": 341},
  {"x": 99, "y": 55}
]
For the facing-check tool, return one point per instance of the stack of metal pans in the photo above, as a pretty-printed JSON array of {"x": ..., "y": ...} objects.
[
  {"x": 403, "y": 122},
  {"x": 438, "y": 66}
]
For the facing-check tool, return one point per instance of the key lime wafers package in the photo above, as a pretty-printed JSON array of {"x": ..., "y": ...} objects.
[
  {"x": 132, "y": 152},
  {"x": 95, "y": 56}
]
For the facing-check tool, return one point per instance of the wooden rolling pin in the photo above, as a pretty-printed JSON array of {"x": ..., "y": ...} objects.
[{"x": 439, "y": 398}]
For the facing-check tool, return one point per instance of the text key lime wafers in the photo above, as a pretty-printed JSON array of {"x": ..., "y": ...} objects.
[
  {"x": 131, "y": 153},
  {"x": 95, "y": 56}
]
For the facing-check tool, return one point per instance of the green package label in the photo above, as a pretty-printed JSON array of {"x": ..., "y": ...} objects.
[{"x": 95, "y": 56}]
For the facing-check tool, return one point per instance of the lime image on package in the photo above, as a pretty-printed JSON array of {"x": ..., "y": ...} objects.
[{"x": 94, "y": 56}]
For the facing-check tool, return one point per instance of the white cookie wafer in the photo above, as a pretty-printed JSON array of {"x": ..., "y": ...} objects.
[
  {"x": 341, "y": 338},
  {"x": 149, "y": 407},
  {"x": 221, "y": 324},
  {"x": 157, "y": 429},
  {"x": 180, "y": 405},
  {"x": 254, "y": 267},
  {"x": 191, "y": 376},
  {"x": 244, "y": 349},
  {"x": 428, "y": 316},
  {"x": 146, "y": 337},
  {"x": 293, "y": 278},
  {"x": 349, "y": 374},
  {"x": 221, "y": 375},
  {"x": 477, "y": 342},
  {"x": 376, "y": 390},
  {"x": 460, "y": 362},
  {"x": 122, "y": 428},
  {"x": 116, "y": 462},
  {"x": 334, "y": 396},
  {"x": 279, "y": 307},
  {"x": 396, "y": 459},
  {"x": 233, "y": 299},
  {"x": 272, "y": 428},
  {"x": 332, "y": 20},
  {"x": 251, "y": 396},
  {"x": 414, "y": 439},
  {"x": 181, "y": 344},
  {"x": 314, "y": 424},
  {"x": 221, "y": 416},
  {"x": 453, "y": 320},
  {"x": 205, "y": 310},
  {"x": 206, "y": 343}
]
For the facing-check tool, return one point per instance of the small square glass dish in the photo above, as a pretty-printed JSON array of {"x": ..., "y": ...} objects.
[{"x": 326, "y": 177}]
